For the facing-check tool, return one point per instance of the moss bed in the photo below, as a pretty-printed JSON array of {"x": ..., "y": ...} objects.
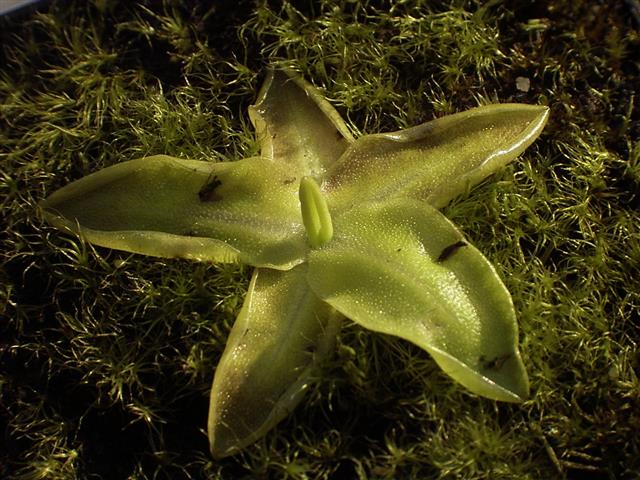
[{"x": 106, "y": 358}]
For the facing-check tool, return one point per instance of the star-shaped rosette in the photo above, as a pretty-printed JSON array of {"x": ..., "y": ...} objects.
[{"x": 337, "y": 227}]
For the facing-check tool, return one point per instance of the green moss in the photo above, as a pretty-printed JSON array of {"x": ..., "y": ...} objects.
[{"x": 106, "y": 358}]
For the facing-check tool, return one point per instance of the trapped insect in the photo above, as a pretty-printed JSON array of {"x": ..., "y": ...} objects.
[
  {"x": 208, "y": 191},
  {"x": 450, "y": 250}
]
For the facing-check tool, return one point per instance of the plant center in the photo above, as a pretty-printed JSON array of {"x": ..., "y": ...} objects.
[{"x": 315, "y": 213}]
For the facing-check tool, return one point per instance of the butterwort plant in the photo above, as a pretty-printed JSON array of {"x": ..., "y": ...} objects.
[{"x": 337, "y": 228}]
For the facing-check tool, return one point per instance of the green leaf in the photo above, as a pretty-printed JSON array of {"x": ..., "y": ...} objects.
[
  {"x": 403, "y": 269},
  {"x": 244, "y": 211},
  {"x": 281, "y": 335},
  {"x": 296, "y": 125},
  {"x": 435, "y": 161}
]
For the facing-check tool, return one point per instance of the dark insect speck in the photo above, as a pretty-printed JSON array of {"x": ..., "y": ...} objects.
[
  {"x": 208, "y": 191},
  {"x": 495, "y": 363},
  {"x": 289, "y": 181},
  {"x": 450, "y": 250}
]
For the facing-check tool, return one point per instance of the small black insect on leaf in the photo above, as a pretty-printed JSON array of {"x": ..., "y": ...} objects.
[
  {"x": 450, "y": 250},
  {"x": 495, "y": 363},
  {"x": 208, "y": 191},
  {"x": 289, "y": 181}
]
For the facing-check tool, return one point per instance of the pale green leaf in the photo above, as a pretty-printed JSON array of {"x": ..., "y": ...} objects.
[
  {"x": 403, "y": 269},
  {"x": 245, "y": 211},
  {"x": 281, "y": 335},
  {"x": 435, "y": 161},
  {"x": 297, "y": 126}
]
